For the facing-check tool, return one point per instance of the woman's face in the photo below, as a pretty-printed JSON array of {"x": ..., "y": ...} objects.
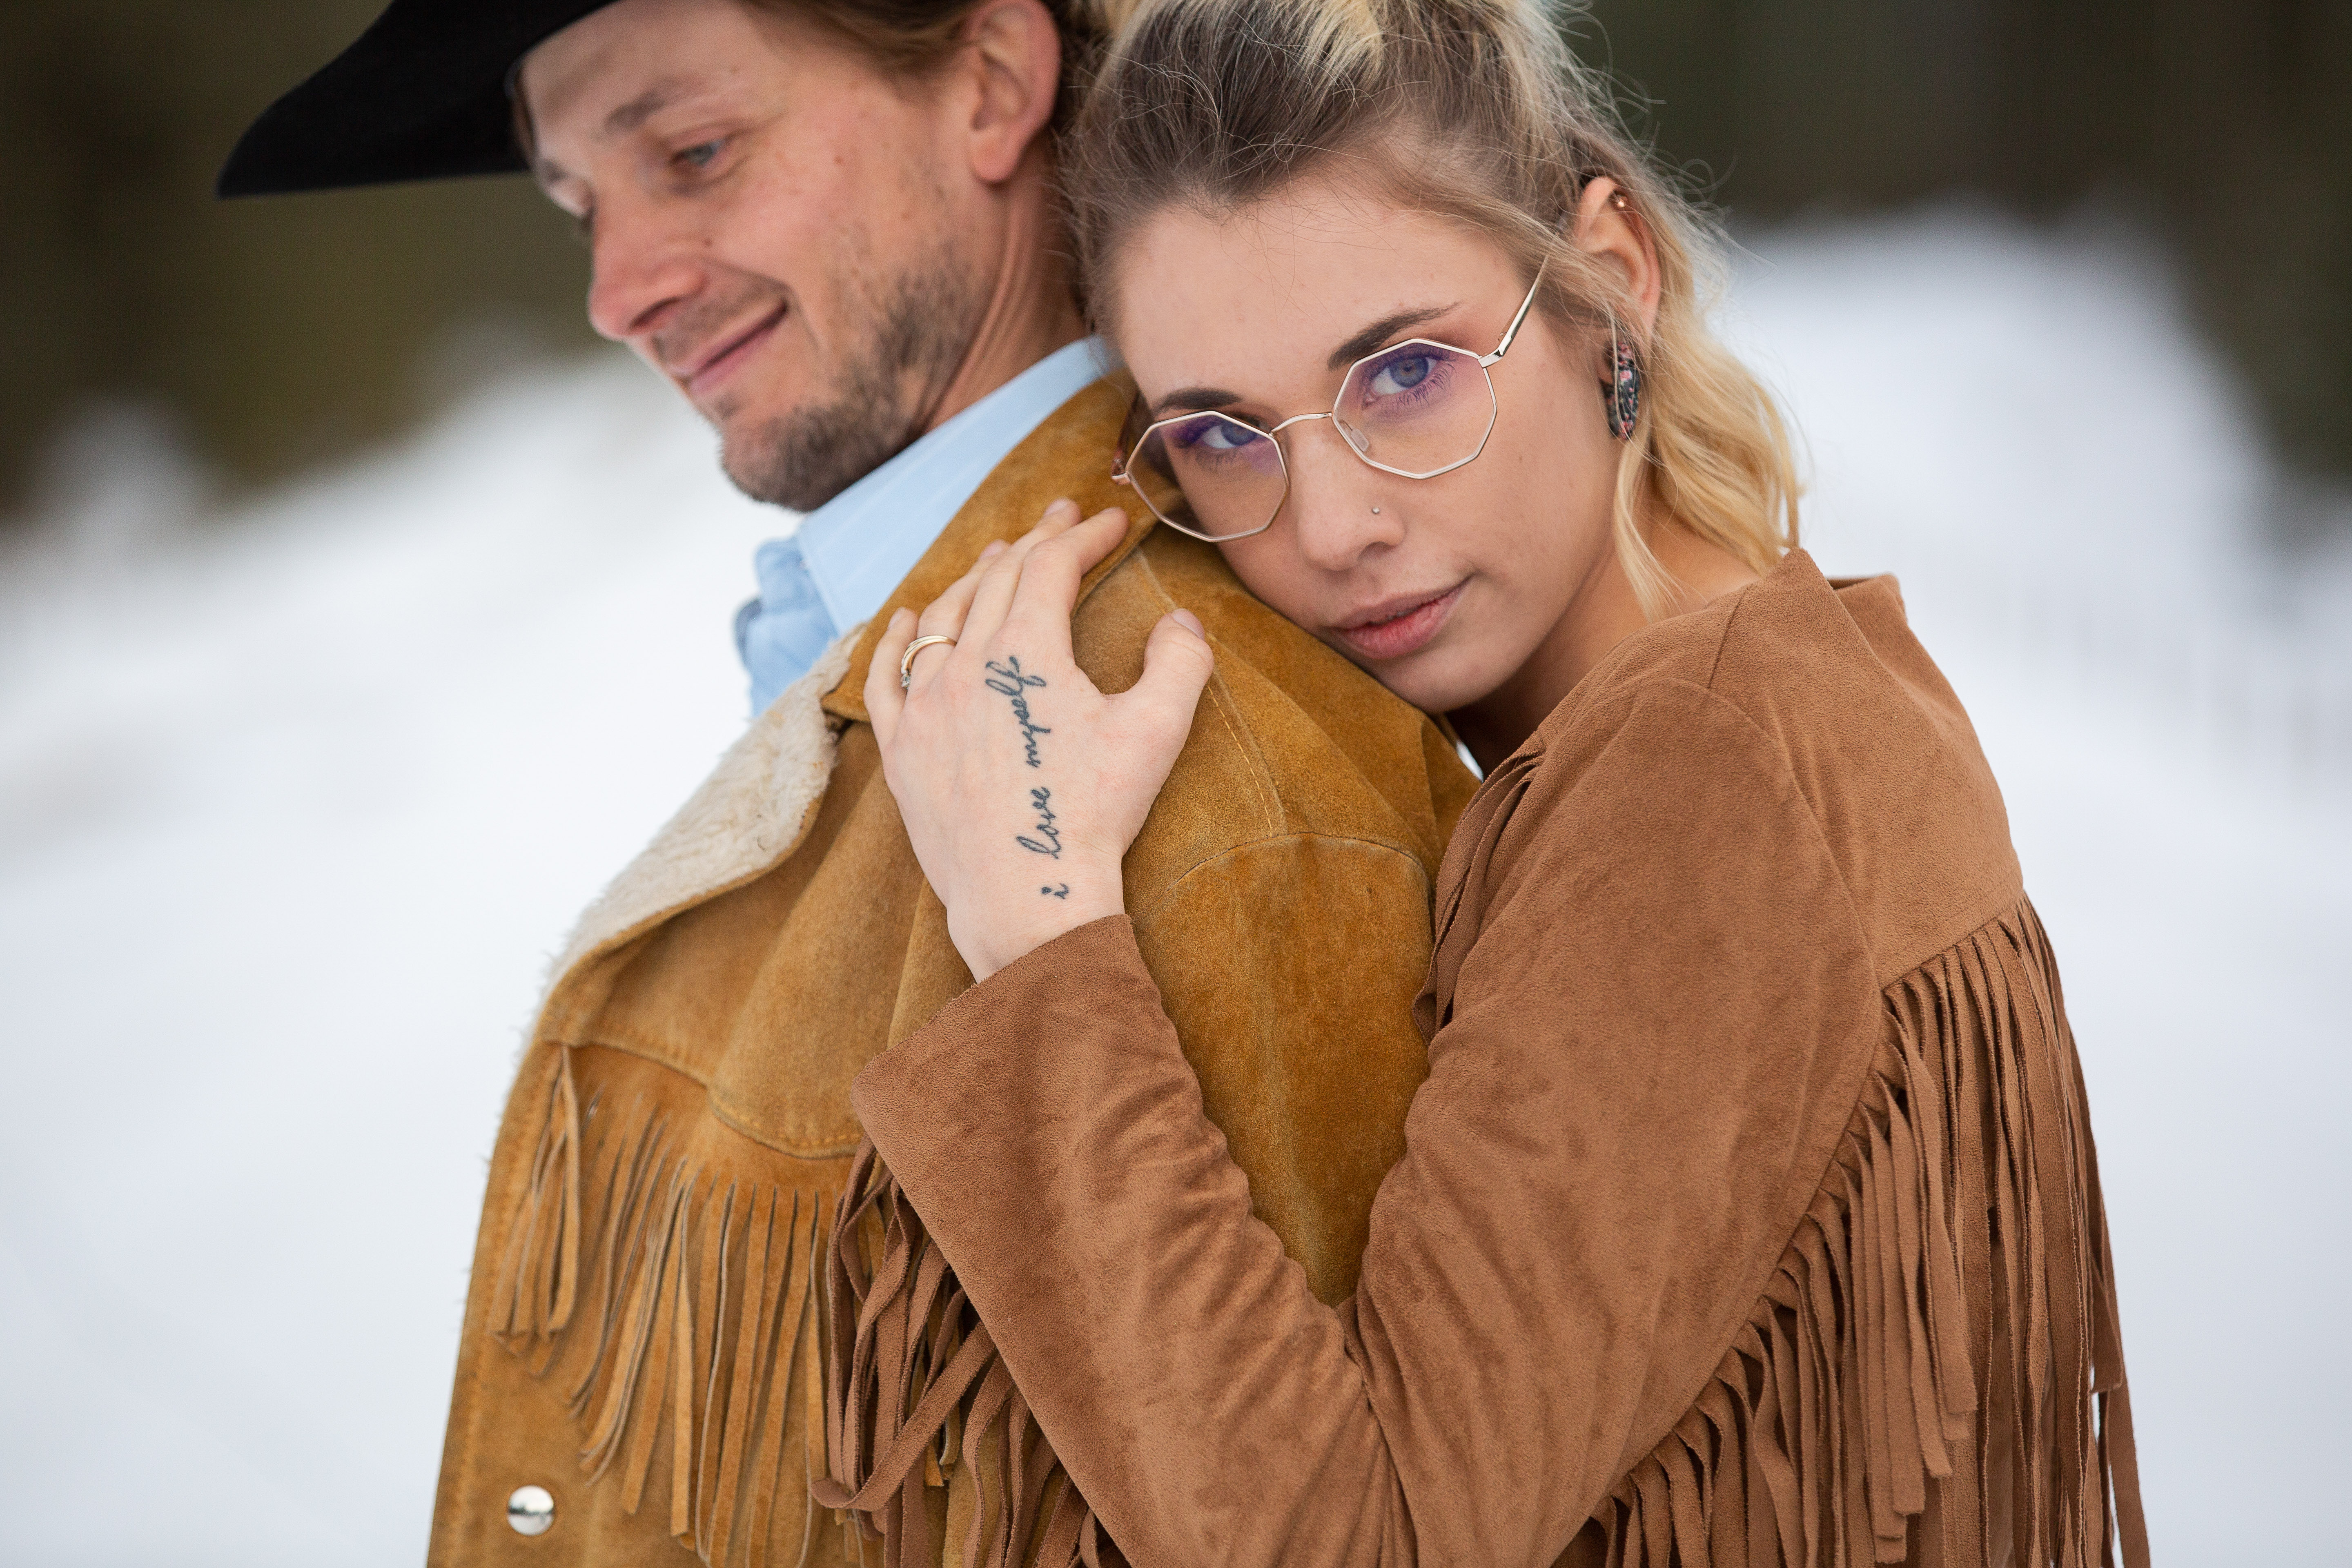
[{"x": 1442, "y": 588}]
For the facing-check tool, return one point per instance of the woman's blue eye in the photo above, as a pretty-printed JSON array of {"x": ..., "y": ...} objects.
[
  {"x": 1218, "y": 436},
  {"x": 701, "y": 155},
  {"x": 1402, "y": 374}
]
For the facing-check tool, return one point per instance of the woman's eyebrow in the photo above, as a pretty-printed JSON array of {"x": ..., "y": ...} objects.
[
  {"x": 1192, "y": 399},
  {"x": 1380, "y": 332}
]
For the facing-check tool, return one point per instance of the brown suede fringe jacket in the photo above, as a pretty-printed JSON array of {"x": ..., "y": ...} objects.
[
  {"x": 649, "y": 1312},
  {"x": 1748, "y": 1215}
]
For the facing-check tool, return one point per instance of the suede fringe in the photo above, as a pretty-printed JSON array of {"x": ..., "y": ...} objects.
[
  {"x": 1856, "y": 1417},
  {"x": 919, "y": 1390},
  {"x": 681, "y": 1315}
]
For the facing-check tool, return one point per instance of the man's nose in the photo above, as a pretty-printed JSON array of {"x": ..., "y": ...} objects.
[
  {"x": 1335, "y": 501},
  {"x": 642, "y": 267}
]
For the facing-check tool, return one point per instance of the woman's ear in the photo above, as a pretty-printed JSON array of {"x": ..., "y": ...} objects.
[
  {"x": 1014, "y": 55},
  {"x": 1609, "y": 229}
]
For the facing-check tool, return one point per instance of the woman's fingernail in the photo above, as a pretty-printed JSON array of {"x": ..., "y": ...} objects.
[
  {"x": 993, "y": 548},
  {"x": 1191, "y": 623},
  {"x": 1063, "y": 504}
]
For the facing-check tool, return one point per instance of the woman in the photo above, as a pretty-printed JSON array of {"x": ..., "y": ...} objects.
[{"x": 1749, "y": 1211}]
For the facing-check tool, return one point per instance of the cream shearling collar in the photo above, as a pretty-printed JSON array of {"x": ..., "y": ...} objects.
[{"x": 748, "y": 815}]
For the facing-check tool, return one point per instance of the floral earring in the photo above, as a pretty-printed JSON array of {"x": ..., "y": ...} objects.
[{"x": 1622, "y": 396}]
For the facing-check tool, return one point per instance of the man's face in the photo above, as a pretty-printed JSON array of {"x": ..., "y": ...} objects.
[{"x": 775, "y": 226}]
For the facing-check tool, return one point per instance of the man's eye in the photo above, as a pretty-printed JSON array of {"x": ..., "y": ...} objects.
[{"x": 701, "y": 155}]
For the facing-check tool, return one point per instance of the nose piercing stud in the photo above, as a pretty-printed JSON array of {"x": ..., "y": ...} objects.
[{"x": 1376, "y": 511}]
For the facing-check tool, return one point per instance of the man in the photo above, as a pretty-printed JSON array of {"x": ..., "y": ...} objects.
[{"x": 830, "y": 223}]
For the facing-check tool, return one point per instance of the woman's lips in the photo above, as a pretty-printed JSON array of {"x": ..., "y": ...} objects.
[
  {"x": 1404, "y": 631},
  {"x": 704, "y": 379}
]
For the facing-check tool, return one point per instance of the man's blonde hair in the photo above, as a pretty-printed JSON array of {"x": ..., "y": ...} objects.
[{"x": 1474, "y": 109}]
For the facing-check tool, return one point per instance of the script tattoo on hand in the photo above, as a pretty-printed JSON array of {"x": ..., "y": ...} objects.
[
  {"x": 1010, "y": 680},
  {"x": 1048, "y": 841}
]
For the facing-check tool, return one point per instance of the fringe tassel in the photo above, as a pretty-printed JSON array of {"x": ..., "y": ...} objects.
[
  {"x": 689, "y": 1311},
  {"x": 1855, "y": 1419},
  {"x": 1867, "y": 1412},
  {"x": 916, "y": 1390}
]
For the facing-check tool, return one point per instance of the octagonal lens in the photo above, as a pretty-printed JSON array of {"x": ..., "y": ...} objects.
[
  {"x": 1209, "y": 474},
  {"x": 1416, "y": 409}
]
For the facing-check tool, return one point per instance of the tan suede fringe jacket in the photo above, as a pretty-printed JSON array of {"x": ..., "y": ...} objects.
[
  {"x": 649, "y": 1314},
  {"x": 1748, "y": 1215}
]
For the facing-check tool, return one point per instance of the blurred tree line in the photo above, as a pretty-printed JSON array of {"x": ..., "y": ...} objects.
[
  {"x": 2225, "y": 125},
  {"x": 276, "y": 334},
  {"x": 283, "y": 332}
]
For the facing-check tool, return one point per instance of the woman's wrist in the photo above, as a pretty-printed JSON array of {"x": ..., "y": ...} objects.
[{"x": 999, "y": 932}]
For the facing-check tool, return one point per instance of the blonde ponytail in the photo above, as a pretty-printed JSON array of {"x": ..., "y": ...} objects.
[{"x": 1471, "y": 109}]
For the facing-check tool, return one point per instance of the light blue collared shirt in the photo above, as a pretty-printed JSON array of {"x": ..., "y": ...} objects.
[{"x": 850, "y": 555}]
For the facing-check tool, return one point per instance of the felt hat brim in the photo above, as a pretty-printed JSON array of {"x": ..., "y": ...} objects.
[{"x": 421, "y": 96}]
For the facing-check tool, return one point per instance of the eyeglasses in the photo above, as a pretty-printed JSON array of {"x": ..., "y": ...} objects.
[{"x": 1416, "y": 410}]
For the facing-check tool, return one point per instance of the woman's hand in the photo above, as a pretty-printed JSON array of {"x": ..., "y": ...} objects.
[{"x": 1021, "y": 785}]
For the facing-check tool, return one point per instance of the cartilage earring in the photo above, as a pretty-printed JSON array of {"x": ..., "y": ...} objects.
[{"x": 1622, "y": 397}]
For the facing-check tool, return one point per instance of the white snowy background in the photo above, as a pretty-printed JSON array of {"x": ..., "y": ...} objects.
[{"x": 296, "y": 799}]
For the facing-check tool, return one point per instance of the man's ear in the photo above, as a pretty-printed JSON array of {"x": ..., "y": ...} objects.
[
  {"x": 1611, "y": 230},
  {"x": 1013, "y": 51}
]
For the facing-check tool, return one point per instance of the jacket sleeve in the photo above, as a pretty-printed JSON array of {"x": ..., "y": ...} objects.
[{"x": 1644, "y": 1065}]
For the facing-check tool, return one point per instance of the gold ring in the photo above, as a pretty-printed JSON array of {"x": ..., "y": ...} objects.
[{"x": 906, "y": 659}]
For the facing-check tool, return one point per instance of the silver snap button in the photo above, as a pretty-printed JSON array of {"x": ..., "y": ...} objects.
[{"x": 531, "y": 1510}]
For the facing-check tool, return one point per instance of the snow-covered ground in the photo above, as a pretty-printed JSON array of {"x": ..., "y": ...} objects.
[{"x": 294, "y": 804}]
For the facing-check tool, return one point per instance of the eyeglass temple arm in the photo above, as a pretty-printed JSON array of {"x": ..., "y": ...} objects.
[
  {"x": 1525, "y": 305},
  {"x": 1119, "y": 475}
]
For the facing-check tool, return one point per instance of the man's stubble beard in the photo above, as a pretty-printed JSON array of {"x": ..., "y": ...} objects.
[{"x": 923, "y": 321}]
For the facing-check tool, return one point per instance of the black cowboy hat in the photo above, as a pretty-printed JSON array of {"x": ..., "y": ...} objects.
[{"x": 422, "y": 96}]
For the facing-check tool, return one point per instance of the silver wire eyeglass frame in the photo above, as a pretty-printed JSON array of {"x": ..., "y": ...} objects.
[{"x": 1122, "y": 471}]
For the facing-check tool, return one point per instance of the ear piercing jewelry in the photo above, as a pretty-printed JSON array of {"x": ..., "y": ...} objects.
[{"x": 1622, "y": 395}]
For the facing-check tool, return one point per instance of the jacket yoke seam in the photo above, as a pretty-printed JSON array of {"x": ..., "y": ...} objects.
[
  {"x": 1984, "y": 904},
  {"x": 1221, "y": 703},
  {"x": 630, "y": 1045},
  {"x": 1723, "y": 640},
  {"x": 1783, "y": 774},
  {"x": 1178, "y": 884}
]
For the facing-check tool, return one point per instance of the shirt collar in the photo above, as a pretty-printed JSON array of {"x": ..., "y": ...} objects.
[{"x": 862, "y": 543}]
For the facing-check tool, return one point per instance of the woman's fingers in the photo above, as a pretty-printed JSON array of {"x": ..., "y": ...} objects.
[
  {"x": 1177, "y": 664},
  {"x": 994, "y": 600},
  {"x": 885, "y": 700},
  {"x": 974, "y": 608},
  {"x": 944, "y": 616},
  {"x": 1049, "y": 590},
  {"x": 886, "y": 696}
]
